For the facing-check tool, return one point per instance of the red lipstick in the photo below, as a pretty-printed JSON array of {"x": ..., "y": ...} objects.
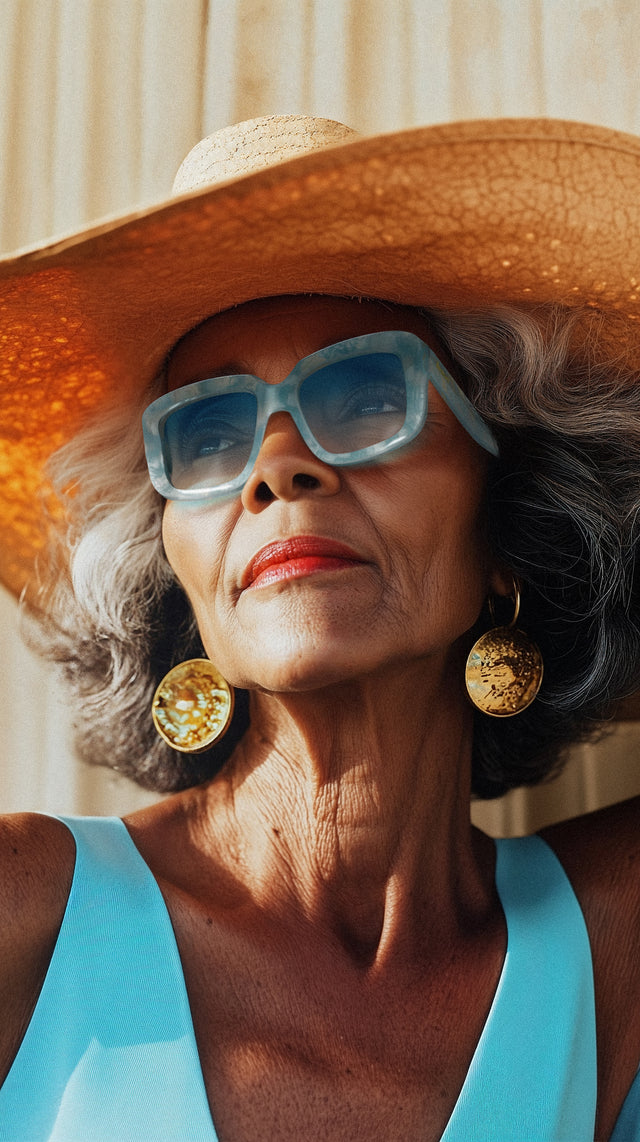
[{"x": 296, "y": 557}]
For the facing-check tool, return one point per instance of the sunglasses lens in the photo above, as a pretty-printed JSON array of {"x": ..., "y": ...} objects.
[
  {"x": 348, "y": 405},
  {"x": 354, "y": 403},
  {"x": 209, "y": 441}
]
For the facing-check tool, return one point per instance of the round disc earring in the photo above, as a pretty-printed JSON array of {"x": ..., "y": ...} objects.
[
  {"x": 193, "y": 706},
  {"x": 504, "y": 668}
]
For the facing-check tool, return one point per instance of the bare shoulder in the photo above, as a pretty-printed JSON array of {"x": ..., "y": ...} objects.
[
  {"x": 36, "y": 851},
  {"x": 600, "y": 853},
  {"x": 37, "y": 856}
]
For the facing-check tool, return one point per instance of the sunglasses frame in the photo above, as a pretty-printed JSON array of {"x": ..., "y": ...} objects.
[{"x": 421, "y": 367}]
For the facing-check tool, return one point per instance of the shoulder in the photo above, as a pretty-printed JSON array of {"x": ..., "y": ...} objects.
[
  {"x": 600, "y": 854},
  {"x": 37, "y": 856}
]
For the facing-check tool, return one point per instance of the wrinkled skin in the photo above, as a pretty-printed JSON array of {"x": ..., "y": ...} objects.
[
  {"x": 335, "y": 913},
  {"x": 417, "y": 521}
]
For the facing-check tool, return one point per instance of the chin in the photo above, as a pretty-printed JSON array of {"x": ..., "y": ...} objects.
[
  {"x": 300, "y": 676},
  {"x": 296, "y": 669}
]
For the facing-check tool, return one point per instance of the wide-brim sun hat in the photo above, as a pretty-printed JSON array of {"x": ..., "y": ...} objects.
[{"x": 468, "y": 214}]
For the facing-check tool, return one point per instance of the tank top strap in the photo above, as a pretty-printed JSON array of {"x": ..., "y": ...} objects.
[
  {"x": 110, "y": 1051},
  {"x": 533, "y": 1074}
]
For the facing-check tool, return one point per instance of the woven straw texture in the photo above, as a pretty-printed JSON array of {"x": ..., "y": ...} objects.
[{"x": 508, "y": 210}]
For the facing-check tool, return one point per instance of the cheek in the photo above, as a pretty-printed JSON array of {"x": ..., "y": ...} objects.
[
  {"x": 431, "y": 506},
  {"x": 177, "y": 546},
  {"x": 438, "y": 540},
  {"x": 195, "y": 539}
]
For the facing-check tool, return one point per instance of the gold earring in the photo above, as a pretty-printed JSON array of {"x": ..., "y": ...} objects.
[
  {"x": 192, "y": 706},
  {"x": 504, "y": 668}
]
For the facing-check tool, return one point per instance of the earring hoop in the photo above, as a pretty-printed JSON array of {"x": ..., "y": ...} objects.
[
  {"x": 515, "y": 595},
  {"x": 193, "y": 706},
  {"x": 504, "y": 669}
]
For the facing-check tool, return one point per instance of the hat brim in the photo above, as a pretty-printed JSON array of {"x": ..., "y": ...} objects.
[{"x": 515, "y": 211}]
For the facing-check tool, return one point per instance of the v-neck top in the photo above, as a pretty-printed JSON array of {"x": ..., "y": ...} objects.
[{"x": 110, "y": 1053}]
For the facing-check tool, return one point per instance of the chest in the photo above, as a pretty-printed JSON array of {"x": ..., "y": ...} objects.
[
  {"x": 293, "y": 1044},
  {"x": 491, "y": 1046}
]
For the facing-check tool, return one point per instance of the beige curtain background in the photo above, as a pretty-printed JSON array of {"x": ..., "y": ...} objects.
[{"x": 100, "y": 100}]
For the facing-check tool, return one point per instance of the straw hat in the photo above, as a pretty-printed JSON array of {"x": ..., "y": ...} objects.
[{"x": 506, "y": 210}]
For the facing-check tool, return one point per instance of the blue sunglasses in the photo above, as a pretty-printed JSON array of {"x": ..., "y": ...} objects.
[{"x": 353, "y": 403}]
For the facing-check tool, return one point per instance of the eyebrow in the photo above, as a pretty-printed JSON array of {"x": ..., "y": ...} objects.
[{"x": 229, "y": 369}]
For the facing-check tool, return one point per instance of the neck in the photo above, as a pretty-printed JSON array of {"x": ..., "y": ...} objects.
[{"x": 351, "y": 808}]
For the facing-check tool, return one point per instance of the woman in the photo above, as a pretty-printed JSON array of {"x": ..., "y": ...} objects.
[{"x": 361, "y": 479}]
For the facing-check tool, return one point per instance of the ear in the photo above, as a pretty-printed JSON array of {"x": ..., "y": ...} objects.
[{"x": 501, "y": 581}]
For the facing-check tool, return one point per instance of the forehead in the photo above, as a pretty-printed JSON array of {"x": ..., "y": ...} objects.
[{"x": 270, "y": 335}]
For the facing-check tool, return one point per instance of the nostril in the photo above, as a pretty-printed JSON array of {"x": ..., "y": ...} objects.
[
  {"x": 306, "y": 480},
  {"x": 263, "y": 493},
  {"x": 276, "y": 478}
]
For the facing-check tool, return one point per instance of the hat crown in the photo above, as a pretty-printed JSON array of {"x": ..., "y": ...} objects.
[{"x": 255, "y": 144}]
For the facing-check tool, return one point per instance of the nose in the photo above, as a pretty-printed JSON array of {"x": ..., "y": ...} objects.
[{"x": 285, "y": 469}]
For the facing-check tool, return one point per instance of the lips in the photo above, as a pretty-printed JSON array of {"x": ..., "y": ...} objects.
[{"x": 296, "y": 557}]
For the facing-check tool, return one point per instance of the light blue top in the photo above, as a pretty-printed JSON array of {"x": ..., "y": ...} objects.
[{"x": 110, "y": 1054}]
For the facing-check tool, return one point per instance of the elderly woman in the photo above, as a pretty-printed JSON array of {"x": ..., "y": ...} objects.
[{"x": 392, "y": 429}]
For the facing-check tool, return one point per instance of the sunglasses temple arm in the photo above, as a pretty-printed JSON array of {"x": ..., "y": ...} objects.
[{"x": 461, "y": 406}]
